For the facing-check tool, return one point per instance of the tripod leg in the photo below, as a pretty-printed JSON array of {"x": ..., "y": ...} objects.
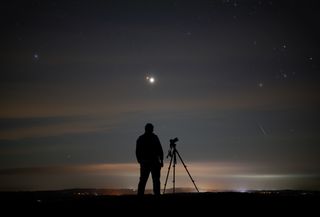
[
  {"x": 165, "y": 184},
  {"x": 174, "y": 175},
  {"x": 187, "y": 170}
]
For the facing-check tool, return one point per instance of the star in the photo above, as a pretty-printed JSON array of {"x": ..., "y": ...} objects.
[{"x": 36, "y": 56}]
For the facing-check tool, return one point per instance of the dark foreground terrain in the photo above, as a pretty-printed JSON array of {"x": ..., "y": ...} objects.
[{"x": 182, "y": 204}]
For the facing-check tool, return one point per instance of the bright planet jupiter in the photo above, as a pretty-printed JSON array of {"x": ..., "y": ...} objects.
[{"x": 150, "y": 79}]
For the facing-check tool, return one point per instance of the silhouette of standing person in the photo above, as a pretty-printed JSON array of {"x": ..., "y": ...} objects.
[{"x": 149, "y": 154}]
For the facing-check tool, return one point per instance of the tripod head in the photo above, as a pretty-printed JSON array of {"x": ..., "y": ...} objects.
[
  {"x": 173, "y": 142},
  {"x": 172, "y": 146}
]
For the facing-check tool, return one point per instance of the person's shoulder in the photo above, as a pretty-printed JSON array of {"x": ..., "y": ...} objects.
[
  {"x": 143, "y": 136},
  {"x": 155, "y": 135},
  {"x": 140, "y": 137}
]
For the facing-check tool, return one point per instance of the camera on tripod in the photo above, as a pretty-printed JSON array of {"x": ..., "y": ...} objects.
[
  {"x": 173, "y": 142},
  {"x": 173, "y": 153},
  {"x": 172, "y": 146}
]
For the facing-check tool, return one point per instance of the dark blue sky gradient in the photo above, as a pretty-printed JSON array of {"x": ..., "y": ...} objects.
[{"x": 236, "y": 81}]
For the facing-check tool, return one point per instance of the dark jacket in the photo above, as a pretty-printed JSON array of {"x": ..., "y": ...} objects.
[{"x": 149, "y": 149}]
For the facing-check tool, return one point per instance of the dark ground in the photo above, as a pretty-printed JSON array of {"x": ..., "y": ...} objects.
[{"x": 182, "y": 204}]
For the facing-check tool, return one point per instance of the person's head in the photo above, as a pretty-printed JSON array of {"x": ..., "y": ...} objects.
[{"x": 148, "y": 128}]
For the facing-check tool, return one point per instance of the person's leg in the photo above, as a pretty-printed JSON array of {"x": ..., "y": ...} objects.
[
  {"x": 144, "y": 175},
  {"x": 155, "y": 172}
]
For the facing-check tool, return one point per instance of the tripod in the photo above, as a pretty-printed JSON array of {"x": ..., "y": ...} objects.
[{"x": 173, "y": 152}]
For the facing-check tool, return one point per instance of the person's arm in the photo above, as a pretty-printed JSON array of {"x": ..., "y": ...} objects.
[
  {"x": 160, "y": 150},
  {"x": 138, "y": 150}
]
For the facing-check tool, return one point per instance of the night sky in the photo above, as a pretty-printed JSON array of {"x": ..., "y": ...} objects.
[{"x": 237, "y": 81}]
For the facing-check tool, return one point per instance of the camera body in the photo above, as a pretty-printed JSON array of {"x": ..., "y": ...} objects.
[
  {"x": 173, "y": 142},
  {"x": 172, "y": 147}
]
